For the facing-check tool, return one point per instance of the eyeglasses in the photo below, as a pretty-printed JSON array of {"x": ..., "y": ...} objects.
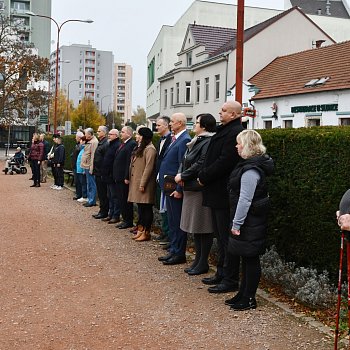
[{"x": 112, "y": 134}]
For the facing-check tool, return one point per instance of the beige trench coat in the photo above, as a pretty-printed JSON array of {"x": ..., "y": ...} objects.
[{"x": 142, "y": 173}]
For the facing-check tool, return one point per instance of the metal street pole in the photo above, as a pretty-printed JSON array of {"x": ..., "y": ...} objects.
[
  {"x": 59, "y": 27},
  {"x": 101, "y": 110},
  {"x": 68, "y": 96},
  {"x": 239, "y": 51}
]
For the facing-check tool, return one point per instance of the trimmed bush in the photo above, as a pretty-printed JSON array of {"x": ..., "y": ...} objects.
[{"x": 311, "y": 175}]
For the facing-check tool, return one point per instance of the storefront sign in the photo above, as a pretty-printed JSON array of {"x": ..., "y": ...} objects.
[
  {"x": 314, "y": 108},
  {"x": 249, "y": 112}
]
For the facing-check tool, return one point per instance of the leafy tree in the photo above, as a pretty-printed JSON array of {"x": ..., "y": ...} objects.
[
  {"x": 116, "y": 118},
  {"x": 21, "y": 71},
  {"x": 61, "y": 108},
  {"x": 139, "y": 116},
  {"x": 86, "y": 115}
]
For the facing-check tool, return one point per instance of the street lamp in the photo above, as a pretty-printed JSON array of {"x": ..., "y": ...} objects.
[
  {"x": 72, "y": 81},
  {"x": 102, "y": 101},
  {"x": 59, "y": 27}
]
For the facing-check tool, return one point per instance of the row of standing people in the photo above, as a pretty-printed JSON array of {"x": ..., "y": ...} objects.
[{"x": 220, "y": 190}]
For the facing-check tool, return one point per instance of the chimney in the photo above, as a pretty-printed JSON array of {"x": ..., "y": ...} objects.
[
  {"x": 328, "y": 12},
  {"x": 319, "y": 43},
  {"x": 319, "y": 12}
]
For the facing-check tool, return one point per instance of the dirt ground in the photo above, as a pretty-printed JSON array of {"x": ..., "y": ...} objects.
[{"x": 69, "y": 281}]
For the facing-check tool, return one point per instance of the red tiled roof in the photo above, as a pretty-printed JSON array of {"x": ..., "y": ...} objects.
[
  {"x": 211, "y": 37},
  {"x": 252, "y": 31},
  {"x": 311, "y": 7},
  {"x": 287, "y": 75}
]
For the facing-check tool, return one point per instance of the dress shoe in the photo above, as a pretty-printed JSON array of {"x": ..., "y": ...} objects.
[
  {"x": 160, "y": 238},
  {"x": 222, "y": 288},
  {"x": 175, "y": 260},
  {"x": 108, "y": 218},
  {"x": 37, "y": 185},
  {"x": 212, "y": 281},
  {"x": 245, "y": 303},
  {"x": 198, "y": 271},
  {"x": 234, "y": 300},
  {"x": 166, "y": 247},
  {"x": 88, "y": 205},
  {"x": 165, "y": 257},
  {"x": 188, "y": 269},
  {"x": 34, "y": 185},
  {"x": 74, "y": 198},
  {"x": 112, "y": 221},
  {"x": 99, "y": 216},
  {"x": 124, "y": 225}
]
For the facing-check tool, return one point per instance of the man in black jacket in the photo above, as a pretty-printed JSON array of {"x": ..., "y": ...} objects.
[
  {"x": 101, "y": 186},
  {"x": 163, "y": 129},
  {"x": 121, "y": 173},
  {"x": 107, "y": 177},
  {"x": 220, "y": 160},
  {"x": 58, "y": 160}
]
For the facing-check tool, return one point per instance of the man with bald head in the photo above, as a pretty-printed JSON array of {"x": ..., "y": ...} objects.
[
  {"x": 169, "y": 166},
  {"x": 220, "y": 160}
]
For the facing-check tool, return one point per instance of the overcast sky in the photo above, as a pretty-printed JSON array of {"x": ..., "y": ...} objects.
[{"x": 128, "y": 28}]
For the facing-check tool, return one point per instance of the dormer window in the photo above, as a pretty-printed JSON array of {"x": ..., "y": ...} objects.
[{"x": 189, "y": 59}]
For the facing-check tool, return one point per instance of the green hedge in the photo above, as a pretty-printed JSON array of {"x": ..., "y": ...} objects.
[
  {"x": 312, "y": 171},
  {"x": 311, "y": 175}
]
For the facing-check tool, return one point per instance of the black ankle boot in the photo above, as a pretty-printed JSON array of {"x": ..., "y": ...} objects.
[
  {"x": 245, "y": 303},
  {"x": 234, "y": 300}
]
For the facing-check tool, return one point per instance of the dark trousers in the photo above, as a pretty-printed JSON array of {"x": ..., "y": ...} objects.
[
  {"x": 251, "y": 273},
  {"x": 202, "y": 243},
  {"x": 101, "y": 187},
  {"x": 114, "y": 207},
  {"x": 36, "y": 172},
  {"x": 177, "y": 237},
  {"x": 227, "y": 265},
  {"x": 59, "y": 179},
  {"x": 126, "y": 207},
  {"x": 145, "y": 211},
  {"x": 80, "y": 185}
]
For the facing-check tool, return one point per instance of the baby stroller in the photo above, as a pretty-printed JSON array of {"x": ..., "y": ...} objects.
[{"x": 15, "y": 165}]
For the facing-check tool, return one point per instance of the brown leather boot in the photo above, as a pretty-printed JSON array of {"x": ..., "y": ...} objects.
[
  {"x": 140, "y": 230},
  {"x": 146, "y": 236}
]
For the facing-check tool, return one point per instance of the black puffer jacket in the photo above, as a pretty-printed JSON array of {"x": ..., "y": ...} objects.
[{"x": 251, "y": 241}]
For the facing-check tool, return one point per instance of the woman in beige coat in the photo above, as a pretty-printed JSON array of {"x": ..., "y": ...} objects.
[{"x": 142, "y": 182}]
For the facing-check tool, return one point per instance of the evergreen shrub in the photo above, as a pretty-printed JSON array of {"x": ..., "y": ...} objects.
[{"x": 312, "y": 171}]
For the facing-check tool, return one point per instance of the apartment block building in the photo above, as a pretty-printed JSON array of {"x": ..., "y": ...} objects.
[
  {"x": 36, "y": 30},
  {"x": 84, "y": 71},
  {"x": 122, "y": 103}
]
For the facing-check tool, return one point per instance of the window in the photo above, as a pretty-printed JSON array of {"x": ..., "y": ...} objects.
[
  {"x": 188, "y": 92},
  {"x": 165, "y": 98},
  {"x": 345, "y": 121},
  {"x": 172, "y": 96},
  {"x": 177, "y": 92},
  {"x": 287, "y": 124},
  {"x": 150, "y": 73},
  {"x": 20, "y": 5},
  {"x": 313, "y": 122},
  {"x": 198, "y": 90},
  {"x": 217, "y": 86},
  {"x": 189, "y": 59},
  {"x": 206, "y": 86},
  {"x": 268, "y": 124}
]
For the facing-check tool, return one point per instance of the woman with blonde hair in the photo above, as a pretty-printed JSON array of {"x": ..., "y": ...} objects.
[{"x": 249, "y": 202}]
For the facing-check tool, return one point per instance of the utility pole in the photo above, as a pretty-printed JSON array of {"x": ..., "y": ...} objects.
[{"x": 239, "y": 50}]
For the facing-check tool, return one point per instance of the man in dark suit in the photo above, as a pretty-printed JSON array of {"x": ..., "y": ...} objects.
[
  {"x": 121, "y": 173},
  {"x": 169, "y": 166},
  {"x": 220, "y": 160},
  {"x": 162, "y": 127}
]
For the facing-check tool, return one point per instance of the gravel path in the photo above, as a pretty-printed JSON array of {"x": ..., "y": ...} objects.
[{"x": 69, "y": 281}]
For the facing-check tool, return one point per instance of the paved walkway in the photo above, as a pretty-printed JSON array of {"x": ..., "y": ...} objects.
[{"x": 69, "y": 281}]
